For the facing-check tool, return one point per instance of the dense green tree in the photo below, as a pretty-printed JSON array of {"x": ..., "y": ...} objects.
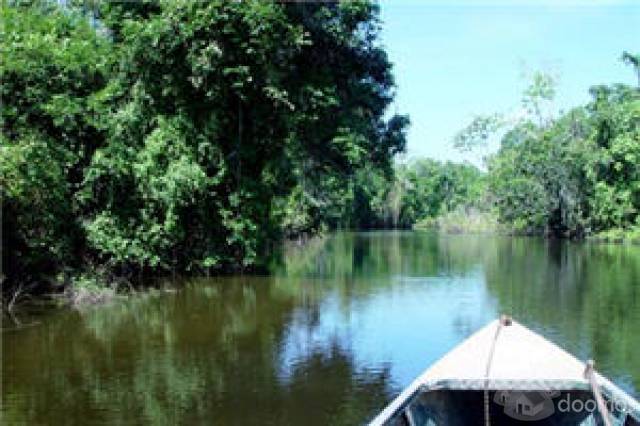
[
  {"x": 574, "y": 174},
  {"x": 614, "y": 167},
  {"x": 431, "y": 188},
  {"x": 157, "y": 136},
  {"x": 54, "y": 71},
  {"x": 193, "y": 158},
  {"x": 537, "y": 177},
  {"x": 344, "y": 145}
]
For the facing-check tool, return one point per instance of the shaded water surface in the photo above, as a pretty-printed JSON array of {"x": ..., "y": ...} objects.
[{"x": 330, "y": 337}]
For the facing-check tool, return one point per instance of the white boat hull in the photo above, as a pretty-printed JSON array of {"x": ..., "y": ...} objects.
[{"x": 518, "y": 373}]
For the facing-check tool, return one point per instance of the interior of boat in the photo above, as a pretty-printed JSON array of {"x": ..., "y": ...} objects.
[{"x": 466, "y": 407}]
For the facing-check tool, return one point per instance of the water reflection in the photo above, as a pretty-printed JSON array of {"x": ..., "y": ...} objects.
[
  {"x": 584, "y": 296},
  {"x": 207, "y": 353},
  {"x": 328, "y": 338}
]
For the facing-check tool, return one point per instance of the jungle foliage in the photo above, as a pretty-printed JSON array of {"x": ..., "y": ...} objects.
[
  {"x": 573, "y": 174},
  {"x": 427, "y": 189},
  {"x": 154, "y": 137},
  {"x": 147, "y": 137}
]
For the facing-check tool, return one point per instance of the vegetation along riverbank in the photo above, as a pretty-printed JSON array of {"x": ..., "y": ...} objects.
[
  {"x": 574, "y": 174},
  {"x": 151, "y": 138},
  {"x": 143, "y": 139}
]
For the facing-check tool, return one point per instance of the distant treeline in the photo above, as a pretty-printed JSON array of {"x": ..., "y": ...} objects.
[
  {"x": 570, "y": 174},
  {"x": 148, "y": 137},
  {"x": 575, "y": 174}
]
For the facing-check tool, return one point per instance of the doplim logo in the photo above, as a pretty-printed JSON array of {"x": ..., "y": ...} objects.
[{"x": 526, "y": 406}]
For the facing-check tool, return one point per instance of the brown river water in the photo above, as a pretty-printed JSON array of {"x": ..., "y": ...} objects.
[{"x": 337, "y": 329}]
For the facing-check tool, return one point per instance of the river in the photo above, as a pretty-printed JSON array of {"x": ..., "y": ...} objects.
[{"x": 328, "y": 338}]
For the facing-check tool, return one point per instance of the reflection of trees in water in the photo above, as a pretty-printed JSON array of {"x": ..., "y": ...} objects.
[
  {"x": 358, "y": 265},
  {"x": 586, "y": 293},
  {"x": 384, "y": 254},
  {"x": 208, "y": 354},
  {"x": 327, "y": 388},
  {"x": 583, "y": 296},
  {"x": 213, "y": 352}
]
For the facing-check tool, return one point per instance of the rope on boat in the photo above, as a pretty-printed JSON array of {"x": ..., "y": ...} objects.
[
  {"x": 504, "y": 321},
  {"x": 589, "y": 373}
]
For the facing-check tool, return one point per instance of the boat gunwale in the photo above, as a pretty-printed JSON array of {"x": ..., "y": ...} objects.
[
  {"x": 630, "y": 406},
  {"x": 424, "y": 383}
]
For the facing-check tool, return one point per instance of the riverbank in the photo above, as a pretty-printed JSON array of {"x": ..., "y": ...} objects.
[
  {"x": 617, "y": 236},
  {"x": 76, "y": 290},
  {"x": 472, "y": 221},
  {"x": 96, "y": 287},
  {"x": 463, "y": 221}
]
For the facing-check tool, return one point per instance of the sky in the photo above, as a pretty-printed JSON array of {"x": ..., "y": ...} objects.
[{"x": 455, "y": 59}]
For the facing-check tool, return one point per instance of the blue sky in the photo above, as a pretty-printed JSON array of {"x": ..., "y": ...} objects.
[{"x": 459, "y": 58}]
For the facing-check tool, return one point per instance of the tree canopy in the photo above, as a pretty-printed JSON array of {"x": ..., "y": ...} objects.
[
  {"x": 147, "y": 137},
  {"x": 574, "y": 174}
]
